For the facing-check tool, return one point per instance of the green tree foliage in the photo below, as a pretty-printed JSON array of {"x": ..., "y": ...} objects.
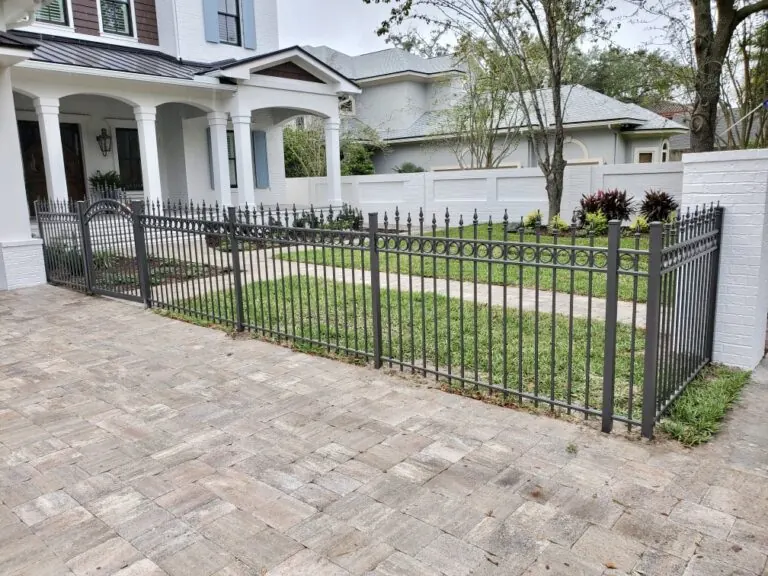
[
  {"x": 304, "y": 149},
  {"x": 641, "y": 76},
  {"x": 483, "y": 126}
]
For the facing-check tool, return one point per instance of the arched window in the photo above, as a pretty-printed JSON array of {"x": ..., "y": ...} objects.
[{"x": 665, "y": 151}]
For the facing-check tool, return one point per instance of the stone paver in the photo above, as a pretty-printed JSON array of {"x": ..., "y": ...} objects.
[{"x": 135, "y": 445}]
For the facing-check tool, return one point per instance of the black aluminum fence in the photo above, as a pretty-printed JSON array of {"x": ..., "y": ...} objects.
[{"x": 611, "y": 328}]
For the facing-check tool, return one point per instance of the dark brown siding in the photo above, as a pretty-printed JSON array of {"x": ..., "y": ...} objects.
[
  {"x": 85, "y": 16},
  {"x": 290, "y": 70},
  {"x": 146, "y": 22}
]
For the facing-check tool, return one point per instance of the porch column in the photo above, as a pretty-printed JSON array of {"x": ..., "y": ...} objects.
[
  {"x": 244, "y": 158},
  {"x": 150, "y": 162},
  {"x": 217, "y": 123},
  {"x": 21, "y": 256},
  {"x": 53, "y": 154},
  {"x": 333, "y": 159}
]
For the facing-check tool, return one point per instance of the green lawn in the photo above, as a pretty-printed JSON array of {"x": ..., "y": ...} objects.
[
  {"x": 340, "y": 316},
  {"x": 697, "y": 415},
  {"x": 529, "y": 276}
]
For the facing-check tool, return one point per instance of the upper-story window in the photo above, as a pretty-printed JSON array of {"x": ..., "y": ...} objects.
[
  {"x": 229, "y": 22},
  {"x": 116, "y": 17},
  {"x": 53, "y": 13}
]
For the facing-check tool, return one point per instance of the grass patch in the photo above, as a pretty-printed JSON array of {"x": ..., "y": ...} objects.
[
  {"x": 547, "y": 356},
  {"x": 698, "y": 414},
  {"x": 577, "y": 282}
]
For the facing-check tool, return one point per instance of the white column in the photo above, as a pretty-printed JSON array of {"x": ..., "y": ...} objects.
[
  {"x": 21, "y": 256},
  {"x": 244, "y": 158},
  {"x": 738, "y": 180},
  {"x": 333, "y": 159},
  {"x": 53, "y": 154},
  {"x": 150, "y": 162},
  {"x": 217, "y": 123}
]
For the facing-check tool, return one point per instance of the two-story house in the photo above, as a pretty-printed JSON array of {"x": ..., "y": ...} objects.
[
  {"x": 185, "y": 99},
  {"x": 404, "y": 97}
]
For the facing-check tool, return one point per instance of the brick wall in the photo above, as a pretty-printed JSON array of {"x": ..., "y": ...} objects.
[{"x": 739, "y": 181}]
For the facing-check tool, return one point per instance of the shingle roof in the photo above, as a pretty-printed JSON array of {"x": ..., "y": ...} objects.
[
  {"x": 381, "y": 63},
  {"x": 582, "y": 106},
  {"x": 109, "y": 57}
]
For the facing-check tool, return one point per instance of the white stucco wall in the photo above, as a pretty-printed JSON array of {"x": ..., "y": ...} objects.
[
  {"x": 392, "y": 106},
  {"x": 190, "y": 32}
]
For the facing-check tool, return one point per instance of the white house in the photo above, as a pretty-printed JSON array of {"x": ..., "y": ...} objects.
[
  {"x": 184, "y": 98},
  {"x": 403, "y": 97}
]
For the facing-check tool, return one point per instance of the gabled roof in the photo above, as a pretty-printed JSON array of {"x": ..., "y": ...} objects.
[
  {"x": 582, "y": 107},
  {"x": 296, "y": 54},
  {"x": 382, "y": 63}
]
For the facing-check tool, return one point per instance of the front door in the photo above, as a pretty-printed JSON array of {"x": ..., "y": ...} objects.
[
  {"x": 73, "y": 161},
  {"x": 34, "y": 165},
  {"x": 34, "y": 168}
]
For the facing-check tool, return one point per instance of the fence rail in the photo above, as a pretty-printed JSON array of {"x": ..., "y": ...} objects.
[{"x": 611, "y": 328}]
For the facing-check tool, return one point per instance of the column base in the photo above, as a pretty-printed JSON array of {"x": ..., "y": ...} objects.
[{"x": 21, "y": 264}]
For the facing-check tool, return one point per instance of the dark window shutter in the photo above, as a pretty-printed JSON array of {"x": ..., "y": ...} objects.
[
  {"x": 211, "y": 20},
  {"x": 248, "y": 18},
  {"x": 210, "y": 157},
  {"x": 260, "y": 160}
]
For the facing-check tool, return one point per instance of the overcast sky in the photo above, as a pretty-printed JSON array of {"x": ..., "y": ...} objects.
[{"x": 350, "y": 25}]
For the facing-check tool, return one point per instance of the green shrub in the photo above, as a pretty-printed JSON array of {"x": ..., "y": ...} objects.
[
  {"x": 532, "y": 219},
  {"x": 64, "y": 258},
  {"x": 556, "y": 223},
  {"x": 597, "y": 223},
  {"x": 657, "y": 206},
  {"x": 408, "y": 168},
  {"x": 614, "y": 204},
  {"x": 640, "y": 225}
]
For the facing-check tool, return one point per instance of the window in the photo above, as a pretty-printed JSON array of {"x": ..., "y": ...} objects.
[
  {"x": 645, "y": 158},
  {"x": 646, "y": 155},
  {"x": 116, "y": 17},
  {"x": 347, "y": 105},
  {"x": 129, "y": 158},
  {"x": 232, "y": 159},
  {"x": 665, "y": 151},
  {"x": 229, "y": 22},
  {"x": 53, "y": 13}
]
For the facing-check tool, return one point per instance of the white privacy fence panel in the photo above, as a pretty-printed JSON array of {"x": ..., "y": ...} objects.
[{"x": 490, "y": 192}]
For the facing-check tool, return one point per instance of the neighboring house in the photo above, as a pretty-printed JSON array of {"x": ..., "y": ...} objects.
[
  {"x": 727, "y": 136},
  {"x": 184, "y": 98},
  {"x": 403, "y": 97}
]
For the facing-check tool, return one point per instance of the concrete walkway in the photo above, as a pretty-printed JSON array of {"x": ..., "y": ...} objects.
[{"x": 132, "y": 444}]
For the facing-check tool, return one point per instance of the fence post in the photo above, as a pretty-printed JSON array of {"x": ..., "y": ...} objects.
[
  {"x": 611, "y": 311},
  {"x": 373, "y": 227},
  {"x": 652, "y": 314},
  {"x": 137, "y": 209},
  {"x": 42, "y": 237},
  {"x": 713, "y": 279},
  {"x": 85, "y": 241},
  {"x": 235, "y": 254}
]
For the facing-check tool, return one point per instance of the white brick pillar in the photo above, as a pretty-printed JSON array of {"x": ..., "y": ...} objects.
[
  {"x": 217, "y": 124},
  {"x": 146, "y": 117},
  {"x": 244, "y": 158},
  {"x": 738, "y": 180},
  {"x": 333, "y": 160},
  {"x": 53, "y": 155},
  {"x": 21, "y": 256}
]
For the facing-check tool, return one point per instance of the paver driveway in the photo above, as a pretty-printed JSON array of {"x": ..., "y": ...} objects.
[{"x": 132, "y": 444}]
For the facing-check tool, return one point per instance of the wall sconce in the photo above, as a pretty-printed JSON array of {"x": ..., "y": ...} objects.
[{"x": 105, "y": 142}]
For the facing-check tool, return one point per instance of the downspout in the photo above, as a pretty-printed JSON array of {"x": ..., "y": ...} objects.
[{"x": 615, "y": 141}]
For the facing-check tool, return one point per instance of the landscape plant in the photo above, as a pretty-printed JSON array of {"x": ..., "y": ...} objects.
[{"x": 657, "y": 206}]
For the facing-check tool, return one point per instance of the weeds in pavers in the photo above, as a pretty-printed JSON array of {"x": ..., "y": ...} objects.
[
  {"x": 698, "y": 414},
  {"x": 327, "y": 317},
  {"x": 454, "y": 270},
  {"x": 572, "y": 448}
]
